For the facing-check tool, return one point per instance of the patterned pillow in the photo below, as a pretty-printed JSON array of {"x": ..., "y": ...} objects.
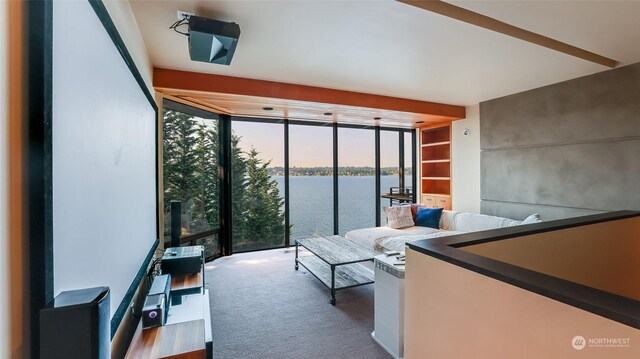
[{"x": 399, "y": 216}]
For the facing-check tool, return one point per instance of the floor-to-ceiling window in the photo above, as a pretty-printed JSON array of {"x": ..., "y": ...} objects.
[
  {"x": 190, "y": 176},
  {"x": 310, "y": 181},
  {"x": 356, "y": 179},
  {"x": 257, "y": 165},
  {"x": 272, "y": 165}
]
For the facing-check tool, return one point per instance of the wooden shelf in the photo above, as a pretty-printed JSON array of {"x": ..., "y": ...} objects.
[
  {"x": 187, "y": 332},
  {"x": 435, "y": 167},
  {"x": 436, "y": 144},
  {"x": 179, "y": 340},
  {"x": 436, "y": 161},
  {"x": 437, "y": 194},
  {"x": 187, "y": 282}
]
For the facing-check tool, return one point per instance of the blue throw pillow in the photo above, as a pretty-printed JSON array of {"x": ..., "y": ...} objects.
[{"x": 429, "y": 217}]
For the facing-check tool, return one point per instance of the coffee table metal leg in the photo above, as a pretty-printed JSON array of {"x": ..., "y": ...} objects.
[
  {"x": 333, "y": 285},
  {"x": 296, "y": 255}
]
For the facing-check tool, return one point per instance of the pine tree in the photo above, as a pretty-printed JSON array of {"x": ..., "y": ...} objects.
[
  {"x": 211, "y": 181},
  {"x": 265, "y": 219},
  {"x": 191, "y": 176},
  {"x": 238, "y": 188},
  {"x": 180, "y": 160}
]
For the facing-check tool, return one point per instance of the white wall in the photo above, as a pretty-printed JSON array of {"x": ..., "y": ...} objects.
[
  {"x": 466, "y": 162},
  {"x": 103, "y": 159},
  {"x": 122, "y": 16},
  {"x": 4, "y": 265}
]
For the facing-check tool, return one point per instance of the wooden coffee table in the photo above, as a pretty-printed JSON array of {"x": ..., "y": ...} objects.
[{"x": 336, "y": 262}]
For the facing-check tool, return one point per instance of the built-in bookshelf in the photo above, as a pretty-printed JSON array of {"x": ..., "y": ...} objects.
[{"x": 435, "y": 161}]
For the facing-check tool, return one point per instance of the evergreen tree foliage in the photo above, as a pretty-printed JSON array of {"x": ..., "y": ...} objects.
[
  {"x": 263, "y": 212},
  {"x": 191, "y": 176},
  {"x": 180, "y": 161}
]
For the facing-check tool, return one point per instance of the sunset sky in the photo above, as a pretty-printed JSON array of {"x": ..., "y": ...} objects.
[{"x": 311, "y": 146}]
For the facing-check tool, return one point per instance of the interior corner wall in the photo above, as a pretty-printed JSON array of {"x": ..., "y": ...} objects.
[
  {"x": 124, "y": 20},
  {"x": 563, "y": 150},
  {"x": 465, "y": 152},
  {"x": 458, "y": 313},
  {"x": 4, "y": 235}
]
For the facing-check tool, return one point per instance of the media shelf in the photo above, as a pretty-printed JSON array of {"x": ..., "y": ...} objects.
[{"x": 435, "y": 162}]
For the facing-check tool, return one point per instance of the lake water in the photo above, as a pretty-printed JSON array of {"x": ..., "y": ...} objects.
[{"x": 311, "y": 202}]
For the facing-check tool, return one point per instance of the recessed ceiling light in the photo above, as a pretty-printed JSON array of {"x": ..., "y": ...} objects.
[
  {"x": 328, "y": 113},
  {"x": 377, "y": 118},
  {"x": 268, "y": 108}
]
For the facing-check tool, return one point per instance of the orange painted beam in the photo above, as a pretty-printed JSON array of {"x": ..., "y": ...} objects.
[{"x": 192, "y": 81}]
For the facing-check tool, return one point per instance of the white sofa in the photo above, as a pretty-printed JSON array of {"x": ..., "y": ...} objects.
[{"x": 451, "y": 222}]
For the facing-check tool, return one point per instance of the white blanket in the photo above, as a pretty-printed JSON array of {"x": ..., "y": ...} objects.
[
  {"x": 377, "y": 235},
  {"x": 398, "y": 243}
]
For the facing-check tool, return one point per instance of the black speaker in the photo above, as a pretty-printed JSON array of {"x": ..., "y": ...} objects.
[{"x": 75, "y": 324}]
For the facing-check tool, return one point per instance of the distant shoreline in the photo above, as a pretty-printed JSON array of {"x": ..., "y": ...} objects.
[{"x": 342, "y": 171}]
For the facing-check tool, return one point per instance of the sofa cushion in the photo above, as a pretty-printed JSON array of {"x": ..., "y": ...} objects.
[
  {"x": 473, "y": 222},
  {"x": 429, "y": 217},
  {"x": 447, "y": 218},
  {"x": 398, "y": 216}
]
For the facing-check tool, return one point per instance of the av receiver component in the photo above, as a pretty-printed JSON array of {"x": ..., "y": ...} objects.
[{"x": 182, "y": 260}]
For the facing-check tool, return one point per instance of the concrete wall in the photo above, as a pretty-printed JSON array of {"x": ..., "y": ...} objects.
[
  {"x": 4, "y": 232},
  {"x": 563, "y": 150},
  {"x": 465, "y": 153},
  {"x": 602, "y": 256},
  {"x": 457, "y": 313}
]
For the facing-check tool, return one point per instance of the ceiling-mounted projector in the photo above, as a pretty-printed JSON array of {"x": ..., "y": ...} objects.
[{"x": 212, "y": 41}]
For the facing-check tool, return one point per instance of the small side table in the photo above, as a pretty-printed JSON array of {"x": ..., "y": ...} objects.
[{"x": 389, "y": 305}]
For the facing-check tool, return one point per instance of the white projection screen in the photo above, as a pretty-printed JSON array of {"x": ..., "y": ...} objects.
[{"x": 104, "y": 172}]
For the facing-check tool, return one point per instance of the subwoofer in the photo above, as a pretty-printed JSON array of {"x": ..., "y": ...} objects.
[{"x": 76, "y": 324}]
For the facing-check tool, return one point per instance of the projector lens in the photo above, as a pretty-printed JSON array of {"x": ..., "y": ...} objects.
[{"x": 216, "y": 46}]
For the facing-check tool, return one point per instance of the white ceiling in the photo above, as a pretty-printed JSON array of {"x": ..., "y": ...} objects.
[{"x": 389, "y": 48}]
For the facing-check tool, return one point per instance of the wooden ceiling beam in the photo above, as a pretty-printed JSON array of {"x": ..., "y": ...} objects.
[
  {"x": 164, "y": 79},
  {"x": 489, "y": 23}
]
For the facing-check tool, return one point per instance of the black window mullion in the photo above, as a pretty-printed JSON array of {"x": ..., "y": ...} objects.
[
  {"x": 378, "y": 179},
  {"x": 401, "y": 158},
  {"x": 287, "y": 234},
  {"x": 414, "y": 163},
  {"x": 226, "y": 214},
  {"x": 336, "y": 227}
]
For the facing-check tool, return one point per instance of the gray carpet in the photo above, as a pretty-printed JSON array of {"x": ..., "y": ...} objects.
[{"x": 262, "y": 308}]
